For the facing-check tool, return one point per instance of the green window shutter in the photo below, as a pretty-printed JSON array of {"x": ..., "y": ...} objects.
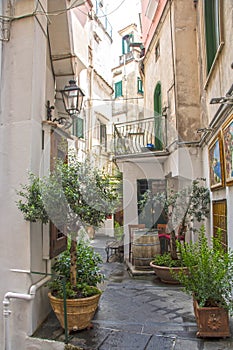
[
  {"x": 157, "y": 99},
  {"x": 158, "y": 118},
  {"x": 211, "y": 30},
  {"x": 79, "y": 128},
  {"x": 140, "y": 86},
  {"x": 118, "y": 89}
]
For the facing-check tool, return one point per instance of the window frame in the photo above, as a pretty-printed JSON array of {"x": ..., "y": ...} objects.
[
  {"x": 103, "y": 135},
  {"x": 140, "y": 86},
  {"x": 78, "y": 129},
  {"x": 157, "y": 51},
  {"x": 219, "y": 210},
  {"x": 126, "y": 45}
]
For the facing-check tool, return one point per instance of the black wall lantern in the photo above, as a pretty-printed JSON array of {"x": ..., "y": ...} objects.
[{"x": 72, "y": 97}]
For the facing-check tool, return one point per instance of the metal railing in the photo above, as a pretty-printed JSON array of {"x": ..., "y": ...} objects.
[
  {"x": 126, "y": 57},
  {"x": 140, "y": 136}
]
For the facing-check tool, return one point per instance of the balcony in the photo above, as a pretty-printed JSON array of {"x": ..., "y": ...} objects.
[
  {"x": 126, "y": 58},
  {"x": 140, "y": 136}
]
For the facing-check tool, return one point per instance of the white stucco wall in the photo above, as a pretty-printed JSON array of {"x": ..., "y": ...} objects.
[
  {"x": 23, "y": 85},
  {"x": 132, "y": 171}
]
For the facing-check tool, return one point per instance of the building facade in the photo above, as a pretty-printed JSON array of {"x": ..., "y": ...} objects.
[
  {"x": 214, "y": 32},
  {"x": 43, "y": 45},
  {"x": 187, "y": 62}
]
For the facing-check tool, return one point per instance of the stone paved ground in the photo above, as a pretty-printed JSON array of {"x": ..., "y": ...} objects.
[{"x": 137, "y": 313}]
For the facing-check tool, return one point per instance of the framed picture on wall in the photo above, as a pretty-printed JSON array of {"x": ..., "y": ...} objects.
[
  {"x": 227, "y": 134},
  {"x": 216, "y": 168}
]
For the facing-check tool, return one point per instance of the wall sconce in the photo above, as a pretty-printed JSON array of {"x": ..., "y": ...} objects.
[
  {"x": 72, "y": 97},
  {"x": 222, "y": 100},
  {"x": 205, "y": 130}
]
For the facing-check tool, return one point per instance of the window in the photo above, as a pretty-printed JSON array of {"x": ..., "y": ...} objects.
[
  {"x": 140, "y": 86},
  {"x": 212, "y": 30},
  {"x": 158, "y": 118},
  {"x": 118, "y": 89},
  {"x": 126, "y": 41},
  {"x": 78, "y": 128},
  {"x": 157, "y": 51},
  {"x": 151, "y": 215},
  {"x": 103, "y": 136}
]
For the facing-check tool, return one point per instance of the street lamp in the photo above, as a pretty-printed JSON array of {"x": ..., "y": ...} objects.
[{"x": 72, "y": 97}]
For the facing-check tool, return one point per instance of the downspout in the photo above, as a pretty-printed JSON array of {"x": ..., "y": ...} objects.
[{"x": 12, "y": 295}]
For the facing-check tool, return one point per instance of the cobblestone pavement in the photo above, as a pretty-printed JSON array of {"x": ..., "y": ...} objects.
[{"x": 137, "y": 313}]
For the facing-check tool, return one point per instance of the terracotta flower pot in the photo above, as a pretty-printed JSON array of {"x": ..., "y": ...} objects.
[
  {"x": 165, "y": 273},
  {"x": 79, "y": 311},
  {"x": 211, "y": 321}
]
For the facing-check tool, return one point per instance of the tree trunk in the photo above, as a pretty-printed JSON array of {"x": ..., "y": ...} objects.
[
  {"x": 73, "y": 261},
  {"x": 173, "y": 245}
]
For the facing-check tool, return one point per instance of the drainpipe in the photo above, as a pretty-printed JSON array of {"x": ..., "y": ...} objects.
[{"x": 13, "y": 295}]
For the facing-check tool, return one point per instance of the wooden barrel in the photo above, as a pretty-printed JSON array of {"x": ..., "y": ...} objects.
[{"x": 144, "y": 248}]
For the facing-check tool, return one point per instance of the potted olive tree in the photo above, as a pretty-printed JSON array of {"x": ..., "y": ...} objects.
[
  {"x": 181, "y": 209},
  {"x": 74, "y": 195},
  {"x": 209, "y": 281}
]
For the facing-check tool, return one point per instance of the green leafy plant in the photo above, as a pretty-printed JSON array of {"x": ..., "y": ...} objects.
[
  {"x": 180, "y": 208},
  {"x": 32, "y": 205},
  {"x": 88, "y": 272},
  {"x": 210, "y": 277},
  {"x": 118, "y": 231},
  {"x": 74, "y": 195},
  {"x": 166, "y": 260}
]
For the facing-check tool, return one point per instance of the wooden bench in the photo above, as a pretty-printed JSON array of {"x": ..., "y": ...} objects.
[{"x": 114, "y": 247}]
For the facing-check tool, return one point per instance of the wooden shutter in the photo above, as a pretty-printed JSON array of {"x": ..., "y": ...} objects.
[
  {"x": 59, "y": 150},
  {"x": 118, "y": 89},
  {"x": 220, "y": 219}
]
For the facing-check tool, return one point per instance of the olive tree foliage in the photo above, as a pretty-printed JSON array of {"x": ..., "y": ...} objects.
[
  {"x": 75, "y": 194},
  {"x": 181, "y": 208}
]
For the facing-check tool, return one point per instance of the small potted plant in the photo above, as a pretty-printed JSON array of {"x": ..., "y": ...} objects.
[
  {"x": 167, "y": 268},
  {"x": 209, "y": 280},
  {"x": 73, "y": 196}
]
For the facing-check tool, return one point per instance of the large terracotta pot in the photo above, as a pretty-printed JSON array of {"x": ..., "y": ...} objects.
[
  {"x": 211, "y": 321},
  {"x": 165, "y": 273},
  {"x": 79, "y": 311}
]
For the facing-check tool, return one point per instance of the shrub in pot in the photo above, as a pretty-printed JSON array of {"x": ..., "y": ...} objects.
[
  {"x": 72, "y": 196},
  {"x": 180, "y": 209},
  {"x": 88, "y": 277},
  {"x": 209, "y": 280},
  {"x": 167, "y": 268}
]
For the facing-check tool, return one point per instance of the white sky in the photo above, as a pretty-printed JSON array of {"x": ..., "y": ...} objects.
[{"x": 121, "y": 13}]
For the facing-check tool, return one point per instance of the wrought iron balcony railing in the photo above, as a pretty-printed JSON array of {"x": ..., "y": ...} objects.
[
  {"x": 140, "y": 136},
  {"x": 126, "y": 57}
]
